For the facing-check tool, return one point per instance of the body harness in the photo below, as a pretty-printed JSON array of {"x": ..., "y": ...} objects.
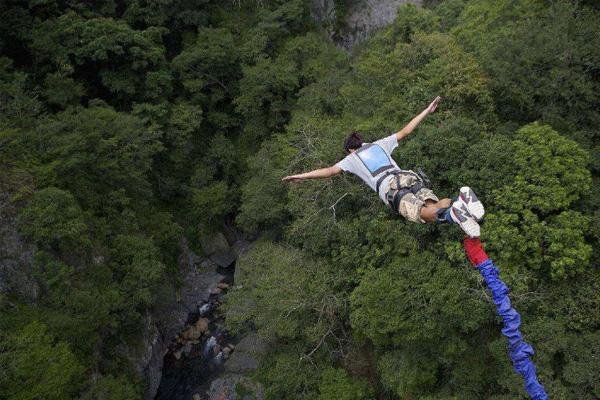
[{"x": 394, "y": 199}]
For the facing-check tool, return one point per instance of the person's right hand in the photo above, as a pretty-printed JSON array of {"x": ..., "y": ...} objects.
[{"x": 291, "y": 178}]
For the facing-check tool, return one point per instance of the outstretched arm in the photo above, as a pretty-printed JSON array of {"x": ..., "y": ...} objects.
[
  {"x": 314, "y": 174},
  {"x": 417, "y": 120}
]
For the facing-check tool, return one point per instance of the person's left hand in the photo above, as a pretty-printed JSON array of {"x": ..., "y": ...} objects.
[
  {"x": 291, "y": 178},
  {"x": 431, "y": 108}
]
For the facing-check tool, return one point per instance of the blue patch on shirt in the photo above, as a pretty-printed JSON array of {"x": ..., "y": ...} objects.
[{"x": 374, "y": 158}]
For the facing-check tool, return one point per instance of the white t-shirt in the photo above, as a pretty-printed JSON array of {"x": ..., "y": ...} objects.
[{"x": 372, "y": 161}]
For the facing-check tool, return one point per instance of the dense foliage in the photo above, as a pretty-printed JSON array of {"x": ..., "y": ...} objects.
[
  {"x": 125, "y": 125},
  {"x": 518, "y": 124}
]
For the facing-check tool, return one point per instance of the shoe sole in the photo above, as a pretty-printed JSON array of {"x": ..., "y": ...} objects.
[
  {"x": 469, "y": 198},
  {"x": 468, "y": 224}
]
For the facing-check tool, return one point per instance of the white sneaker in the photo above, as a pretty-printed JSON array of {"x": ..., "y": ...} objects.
[
  {"x": 461, "y": 215},
  {"x": 471, "y": 202}
]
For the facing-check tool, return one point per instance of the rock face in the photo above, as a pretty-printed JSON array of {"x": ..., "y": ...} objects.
[
  {"x": 217, "y": 249},
  {"x": 349, "y": 27},
  {"x": 246, "y": 355},
  {"x": 235, "y": 387},
  {"x": 163, "y": 327},
  {"x": 234, "y": 384},
  {"x": 201, "y": 280},
  {"x": 241, "y": 360},
  {"x": 189, "y": 346},
  {"x": 16, "y": 256}
]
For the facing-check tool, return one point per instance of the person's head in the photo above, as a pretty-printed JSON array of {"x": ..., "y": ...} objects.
[{"x": 353, "y": 142}]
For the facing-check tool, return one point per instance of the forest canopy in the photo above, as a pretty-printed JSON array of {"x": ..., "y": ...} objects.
[{"x": 128, "y": 125}]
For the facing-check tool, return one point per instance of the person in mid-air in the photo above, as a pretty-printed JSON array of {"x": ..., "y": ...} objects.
[{"x": 406, "y": 191}]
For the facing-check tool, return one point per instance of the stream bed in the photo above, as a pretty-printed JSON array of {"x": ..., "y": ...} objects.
[{"x": 196, "y": 357}]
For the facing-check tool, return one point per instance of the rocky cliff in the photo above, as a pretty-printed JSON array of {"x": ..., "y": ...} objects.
[
  {"x": 16, "y": 256},
  {"x": 347, "y": 23},
  {"x": 199, "y": 276}
]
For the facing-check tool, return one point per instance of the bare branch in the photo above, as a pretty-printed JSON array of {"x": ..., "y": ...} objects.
[{"x": 307, "y": 356}]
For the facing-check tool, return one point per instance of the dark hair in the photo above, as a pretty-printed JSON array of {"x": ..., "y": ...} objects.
[{"x": 353, "y": 141}]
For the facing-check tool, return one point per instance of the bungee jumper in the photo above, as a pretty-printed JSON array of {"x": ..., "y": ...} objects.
[
  {"x": 408, "y": 193},
  {"x": 519, "y": 351}
]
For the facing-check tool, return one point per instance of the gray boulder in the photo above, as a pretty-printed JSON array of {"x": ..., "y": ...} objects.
[
  {"x": 235, "y": 387},
  {"x": 217, "y": 249},
  {"x": 252, "y": 344},
  {"x": 224, "y": 260},
  {"x": 246, "y": 356},
  {"x": 214, "y": 243},
  {"x": 241, "y": 363}
]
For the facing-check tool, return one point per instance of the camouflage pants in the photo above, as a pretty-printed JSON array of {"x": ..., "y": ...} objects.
[{"x": 410, "y": 205}]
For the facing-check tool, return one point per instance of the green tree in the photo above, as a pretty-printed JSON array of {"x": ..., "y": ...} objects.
[
  {"x": 531, "y": 223},
  {"x": 211, "y": 203},
  {"x": 179, "y": 16},
  {"x": 263, "y": 277},
  {"x": 417, "y": 298},
  {"x": 111, "y": 388},
  {"x": 209, "y": 71},
  {"x": 114, "y": 61},
  {"x": 62, "y": 90},
  {"x": 337, "y": 385},
  {"x": 408, "y": 373},
  {"x": 135, "y": 261},
  {"x": 54, "y": 220},
  {"x": 94, "y": 152},
  {"x": 541, "y": 60},
  {"x": 34, "y": 366},
  {"x": 67, "y": 297},
  {"x": 268, "y": 89},
  {"x": 19, "y": 107},
  {"x": 295, "y": 303}
]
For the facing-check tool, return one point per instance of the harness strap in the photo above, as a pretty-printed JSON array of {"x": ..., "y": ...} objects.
[
  {"x": 382, "y": 178},
  {"x": 424, "y": 178},
  {"x": 416, "y": 187},
  {"x": 394, "y": 201}
]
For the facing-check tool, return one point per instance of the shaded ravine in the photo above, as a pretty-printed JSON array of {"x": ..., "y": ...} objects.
[
  {"x": 201, "y": 361},
  {"x": 196, "y": 356}
]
